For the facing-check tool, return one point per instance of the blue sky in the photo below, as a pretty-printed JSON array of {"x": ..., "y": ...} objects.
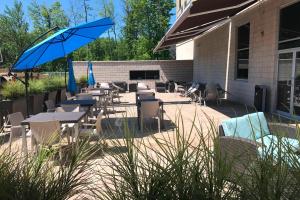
[{"x": 95, "y": 4}]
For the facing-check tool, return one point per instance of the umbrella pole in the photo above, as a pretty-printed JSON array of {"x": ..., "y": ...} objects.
[
  {"x": 66, "y": 72},
  {"x": 26, "y": 92}
]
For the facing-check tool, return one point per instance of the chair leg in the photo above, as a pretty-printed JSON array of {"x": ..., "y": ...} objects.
[
  {"x": 158, "y": 122},
  {"x": 142, "y": 125},
  {"x": 10, "y": 141}
]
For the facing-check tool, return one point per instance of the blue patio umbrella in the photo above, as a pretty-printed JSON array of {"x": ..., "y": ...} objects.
[
  {"x": 71, "y": 82},
  {"x": 91, "y": 79},
  {"x": 59, "y": 45}
]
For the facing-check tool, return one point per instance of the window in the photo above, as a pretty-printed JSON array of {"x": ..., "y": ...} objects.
[
  {"x": 144, "y": 75},
  {"x": 289, "y": 30},
  {"x": 242, "y": 63}
]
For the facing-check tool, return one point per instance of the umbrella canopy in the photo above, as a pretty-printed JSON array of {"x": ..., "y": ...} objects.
[
  {"x": 61, "y": 44},
  {"x": 71, "y": 82}
]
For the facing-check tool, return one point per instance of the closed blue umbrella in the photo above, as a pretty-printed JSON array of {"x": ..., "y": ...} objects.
[
  {"x": 71, "y": 82},
  {"x": 91, "y": 79}
]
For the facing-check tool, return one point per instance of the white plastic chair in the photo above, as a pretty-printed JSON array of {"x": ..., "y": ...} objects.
[
  {"x": 15, "y": 120},
  {"x": 142, "y": 86},
  {"x": 94, "y": 129},
  {"x": 46, "y": 134},
  {"x": 50, "y": 105},
  {"x": 150, "y": 109}
]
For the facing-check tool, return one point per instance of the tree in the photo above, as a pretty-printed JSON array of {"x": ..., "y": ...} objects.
[
  {"x": 146, "y": 22},
  {"x": 14, "y": 36},
  {"x": 45, "y": 18}
]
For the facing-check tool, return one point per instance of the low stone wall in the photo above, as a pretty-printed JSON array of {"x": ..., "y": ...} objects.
[{"x": 109, "y": 71}]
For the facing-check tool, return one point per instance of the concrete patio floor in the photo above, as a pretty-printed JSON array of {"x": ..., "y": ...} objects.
[{"x": 174, "y": 106}]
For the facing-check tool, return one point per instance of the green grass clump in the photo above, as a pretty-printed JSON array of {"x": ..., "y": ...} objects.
[
  {"x": 41, "y": 177},
  {"x": 53, "y": 83},
  {"x": 36, "y": 86},
  {"x": 82, "y": 80},
  {"x": 13, "y": 90}
]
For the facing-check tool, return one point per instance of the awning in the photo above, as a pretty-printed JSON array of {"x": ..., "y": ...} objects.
[{"x": 198, "y": 17}]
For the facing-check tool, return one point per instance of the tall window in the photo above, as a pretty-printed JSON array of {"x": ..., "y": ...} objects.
[
  {"x": 242, "y": 62},
  {"x": 289, "y": 31},
  {"x": 144, "y": 75}
]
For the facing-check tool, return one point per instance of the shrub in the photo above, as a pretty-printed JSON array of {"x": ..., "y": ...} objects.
[
  {"x": 13, "y": 90},
  {"x": 36, "y": 86},
  {"x": 82, "y": 80},
  {"x": 53, "y": 83},
  {"x": 40, "y": 177}
]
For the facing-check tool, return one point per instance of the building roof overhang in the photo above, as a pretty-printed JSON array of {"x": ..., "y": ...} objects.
[{"x": 200, "y": 16}]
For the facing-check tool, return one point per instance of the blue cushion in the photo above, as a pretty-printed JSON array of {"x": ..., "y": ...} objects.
[
  {"x": 270, "y": 144},
  {"x": 252, "y": 126}
]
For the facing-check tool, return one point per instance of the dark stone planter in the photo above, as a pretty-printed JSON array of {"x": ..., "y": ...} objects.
[
  {"x": 36, "y": 103},
  {"x": 52, "y": 96}
]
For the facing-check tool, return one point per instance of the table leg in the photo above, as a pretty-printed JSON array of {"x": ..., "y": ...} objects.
[{"x": 24, "y": 141}]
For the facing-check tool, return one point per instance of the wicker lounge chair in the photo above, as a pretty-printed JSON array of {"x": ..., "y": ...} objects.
[
  {"x": 150, "y": 109},
  {"x": 244, "y": 139}
]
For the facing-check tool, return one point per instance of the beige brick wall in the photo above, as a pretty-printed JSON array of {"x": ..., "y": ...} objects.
[
  {"x": 177, "y": 70},
  {"x": 185, "y": 51},
  {"x": 210, "y": 53}
]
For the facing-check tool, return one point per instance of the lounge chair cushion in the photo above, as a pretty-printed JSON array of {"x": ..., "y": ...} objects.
[
  {"x": 270, "y": 144},
  {"x": 251, "y": 126}
]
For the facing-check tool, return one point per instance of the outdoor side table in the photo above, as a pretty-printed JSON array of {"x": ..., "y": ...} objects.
[{"x": 62, "y": 117}]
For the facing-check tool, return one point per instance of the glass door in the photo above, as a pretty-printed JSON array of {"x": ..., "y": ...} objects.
[
  {"x": 284, "y": 84},
  {"x": 288, "y": 84}
]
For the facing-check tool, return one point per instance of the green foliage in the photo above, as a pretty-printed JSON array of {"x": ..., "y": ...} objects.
[
  {"x": 145, "y": 24},
  {"x": 186, "y": 166},
  {"x": 37, "y": 86},
  {"x": 14, "y": 36},
  {"x": 54, "y": 83},
  {"x": 39, "y": 177},
  {"x": 45, "y": 18},
  {"x": 13, "y": 90},
  {"x": 82, "y": 80}
]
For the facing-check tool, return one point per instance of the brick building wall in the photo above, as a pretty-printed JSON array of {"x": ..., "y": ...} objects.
[
  {"x": 211, "y": 52},
  {"x": 109, "y": 71}
]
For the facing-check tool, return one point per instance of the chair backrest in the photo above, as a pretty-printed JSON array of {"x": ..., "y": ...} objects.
[
  {"x": 142, "y": 86},
  {"x": 104, "y": 85},
  {"x": 46, "y": 133},
  {"x": 68, "y": 95},
  {"x": 145, "y": 96},
  {"x": 15, "y": 119},
  {"x": 71, "y": 107},
  {"x": 149, "y": 109},
  {"x": 50, "y": 104},
  {"x": 98, "y": 122},
  {"x": 84, "y": 96},
  {"x": 59, "y": 109},
  {"x": 252, "y": 126}
]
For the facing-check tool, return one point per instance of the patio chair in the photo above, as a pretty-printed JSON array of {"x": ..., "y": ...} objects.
[
  {"x": 15, "y": 120},
  {"x": 46, "y": 134},
  {"x": 50, "y": 105},
  {"x": 84, "y": 96},
  {"x": 104, "y": 86},
  {"x": 244, "y": 139},
  {"x": 69, "y": 96},
  {"x": 211, "y": 93},
  {"x": 179, "y": 88},
  {"x": 142, "y": 86},
  {"x": 194, "y": 93},
  {"x": 70, "y": 107},
  {"x": 149, "y": 110},
  {"x": 92, "y": 129}
]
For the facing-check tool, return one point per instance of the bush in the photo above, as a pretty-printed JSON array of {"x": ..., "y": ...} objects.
[
  {"x": 186, "y": 166},
  {"x": 13, "y": 90},
  {"x": 40, "y": 177},
  {"x": 37, "y": 86},
  {"x": 82, "y": 80},
  {"x": 54, "y": 83}
]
